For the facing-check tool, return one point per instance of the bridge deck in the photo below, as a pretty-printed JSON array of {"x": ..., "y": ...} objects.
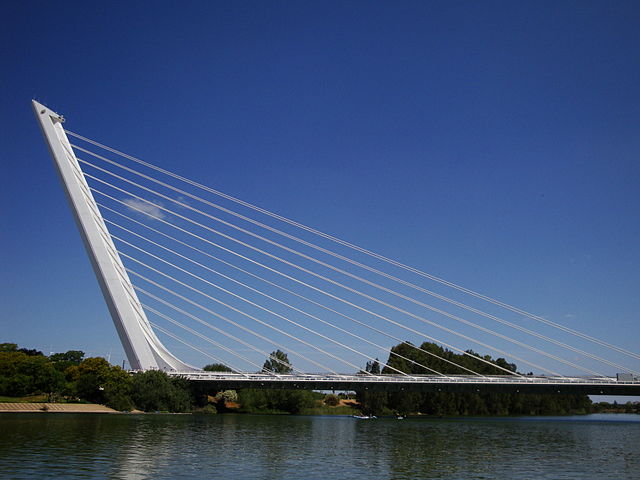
[{"x": 420, "y": 383}]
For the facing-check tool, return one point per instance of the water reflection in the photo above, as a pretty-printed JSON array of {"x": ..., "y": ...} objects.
[
  {"x": 141, "y": 447},
  {"x": 148, "y": 445}
]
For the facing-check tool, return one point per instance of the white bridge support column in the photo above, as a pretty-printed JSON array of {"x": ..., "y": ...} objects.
[{"x": 144, "y": 350}]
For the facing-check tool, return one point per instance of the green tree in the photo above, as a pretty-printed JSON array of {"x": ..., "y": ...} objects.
[
  {"x": 154, "y": 390},
  {"x": 62, "y": 361},
  {"x": 373, "y": 367},
  {"x": 221, "y": 399},
  {"x": 501, "y": 362},
  {"x": 443, "y": 403},
  {"x": 95, "y": 380},
  {"x": 278, "y": 362},
  {"x": 372, "y": 403},
  {"x": 404, "y": 403},
  {"x": 22, "y": 374},
  {"x": 332, "y": 400},
  {"x": 8, "y": 347},
  {"x": 253, "y": 400},
  {"x": 32, "y": 352},
  {"x": 227, "y": 396},
  {"x": 216, "y": 367},
  {"x": 73, "y": 356},
  {"x": 293, "y": 401},
  {"x": 272, "y": 401}
]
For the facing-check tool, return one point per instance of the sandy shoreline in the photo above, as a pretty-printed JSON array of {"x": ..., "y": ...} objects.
[{"x": 54, "y": 408}]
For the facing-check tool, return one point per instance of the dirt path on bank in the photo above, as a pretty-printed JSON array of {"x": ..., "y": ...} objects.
[{"x": 55, "y": 408}]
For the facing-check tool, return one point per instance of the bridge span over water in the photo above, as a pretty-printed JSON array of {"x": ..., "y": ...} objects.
[
  {"x": 231, "y": 281},
  {"x": 419, "y": 383}
]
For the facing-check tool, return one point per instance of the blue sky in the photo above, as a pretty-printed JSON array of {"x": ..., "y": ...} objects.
[{"x": 494, "y": 144}]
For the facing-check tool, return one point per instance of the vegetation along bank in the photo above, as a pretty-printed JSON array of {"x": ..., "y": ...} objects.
[{"x": 67, "y": 378}]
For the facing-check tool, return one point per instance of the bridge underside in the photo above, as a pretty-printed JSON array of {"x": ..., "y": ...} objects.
[{"x": 457, "y": 385}]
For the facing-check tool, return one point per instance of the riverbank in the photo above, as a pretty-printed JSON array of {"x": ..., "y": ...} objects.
[{"x": 23, "y": 407}]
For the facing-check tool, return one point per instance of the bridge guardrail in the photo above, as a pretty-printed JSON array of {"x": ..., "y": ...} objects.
[{"x": 253, "y": 377}]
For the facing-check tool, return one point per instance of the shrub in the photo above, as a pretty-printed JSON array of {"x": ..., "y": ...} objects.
[{"x": 332, "y": 400}]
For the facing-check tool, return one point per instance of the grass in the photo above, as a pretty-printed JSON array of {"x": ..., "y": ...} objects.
[
  {"x": 28, "y": 399},
  {"x": 40, "y": 398}
]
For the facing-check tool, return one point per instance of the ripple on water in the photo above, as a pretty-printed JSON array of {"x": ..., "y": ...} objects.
[{"x": 140, "y": 447}]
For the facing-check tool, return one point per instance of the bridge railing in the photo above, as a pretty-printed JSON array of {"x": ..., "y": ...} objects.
[{"x": 461, "y": 379}]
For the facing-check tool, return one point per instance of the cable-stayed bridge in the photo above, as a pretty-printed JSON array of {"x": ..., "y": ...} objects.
[{"x": 230, "y": 282}]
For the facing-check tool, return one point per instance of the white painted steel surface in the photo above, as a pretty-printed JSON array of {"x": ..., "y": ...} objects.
[
  {"x": 316, "y": 377},
  {"x": 143, "y": 348}
]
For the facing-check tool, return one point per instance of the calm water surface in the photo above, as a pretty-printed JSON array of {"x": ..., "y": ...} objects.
[{"x": 155, "y": 447}]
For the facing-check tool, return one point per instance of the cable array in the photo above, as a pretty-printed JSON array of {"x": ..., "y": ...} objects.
[{"x": 204, "y": 261}]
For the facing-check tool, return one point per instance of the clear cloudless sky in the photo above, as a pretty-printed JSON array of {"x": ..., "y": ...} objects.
[{"x": 495, "y": 144}]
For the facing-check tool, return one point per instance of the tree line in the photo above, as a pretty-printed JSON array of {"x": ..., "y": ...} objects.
[
  {"x": 429, "y": 358},
  {"x": 71, "y": 377}
]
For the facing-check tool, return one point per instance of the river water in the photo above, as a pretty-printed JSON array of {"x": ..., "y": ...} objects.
[{"x": 93, "y": 446}]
